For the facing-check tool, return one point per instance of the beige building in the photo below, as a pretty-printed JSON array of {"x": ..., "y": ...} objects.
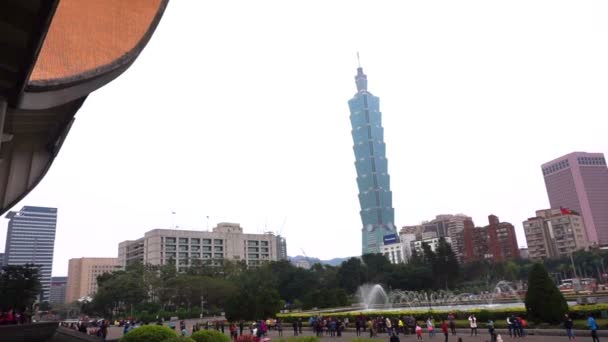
[
  {"x": 185, "y": 247},
  {"x": 554, "y": 233},
  {"x": 82, "y": 276}
]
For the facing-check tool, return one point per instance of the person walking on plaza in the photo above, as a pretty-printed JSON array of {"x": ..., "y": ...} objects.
[
  {"x": 300, "y": 326},
  {"x": 444, "y": 328},
  {"x": 568, "y": 326},
  {"x": 358, "y": 327},
  {"x": 510, "y": 325},
  {"x": 418, "y": 332},
  {"x": 593, "y": 327},
  {"x": 473, "y": 324}
]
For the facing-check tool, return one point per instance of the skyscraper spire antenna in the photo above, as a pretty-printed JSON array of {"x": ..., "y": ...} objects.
[{"x": 358, "y": 60}]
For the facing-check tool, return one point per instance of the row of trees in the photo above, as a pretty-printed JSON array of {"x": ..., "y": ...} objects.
[
  {"x": 244, "y": 293},
  {"x": 19, "y": 287}
]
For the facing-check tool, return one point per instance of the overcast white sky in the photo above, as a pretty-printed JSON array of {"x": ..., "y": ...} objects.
[{"x": 237, "y": 110}]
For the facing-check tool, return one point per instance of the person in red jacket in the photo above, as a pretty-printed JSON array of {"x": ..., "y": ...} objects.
[{"x": 444, "y": 328}]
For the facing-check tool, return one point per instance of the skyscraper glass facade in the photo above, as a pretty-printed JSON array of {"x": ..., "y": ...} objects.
[
  {"x": 31, "y": 240},
  {"x": 373, "y": 180}
]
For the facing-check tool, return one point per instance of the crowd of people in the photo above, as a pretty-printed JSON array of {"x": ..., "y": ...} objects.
[{"x": 11, "y": 316}]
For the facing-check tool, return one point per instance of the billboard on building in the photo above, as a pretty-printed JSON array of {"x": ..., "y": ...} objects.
[{"x": 390, "y": 239}]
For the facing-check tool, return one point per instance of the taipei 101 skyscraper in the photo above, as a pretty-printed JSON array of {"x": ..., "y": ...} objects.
[{"x": 373, "y": 180}]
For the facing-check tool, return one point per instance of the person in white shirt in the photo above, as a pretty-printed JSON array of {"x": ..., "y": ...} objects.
[{"x": 473, "y": 324}]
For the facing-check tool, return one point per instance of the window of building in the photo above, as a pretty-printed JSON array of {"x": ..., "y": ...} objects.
[
  {"x": 183, "y": 241},
  {"x": 183, "y": 248},
  {"x": 195, "y": 241},
  {"x": 252, "y": 256},
  {"x": 252, "y": 243},
  {"x": 206, "y": 255},
  {"x": 218, "y": 255},
  {"x": 195, "y": 248},
  {"x": 183, "y": 255},
  {"x": 264, "y": 243},
  {"x": 264, "y": 249},
  {"x": 206, "y": 241},
  {"x": 218, "y": 248},
  {"x": 218, "y": 242},
  {"x": 169, "y": 240},
  {"x": 195, "y": 255}
]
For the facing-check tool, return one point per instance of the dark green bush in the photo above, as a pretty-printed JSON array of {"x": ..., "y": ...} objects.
[
  {"x": 148, "y": 333},
  {"x": 544, "y": 301},
  {"x": 179, "y": 339},
  {"x": 300, "y": 339},
  {"x": 210, "y": 336}
]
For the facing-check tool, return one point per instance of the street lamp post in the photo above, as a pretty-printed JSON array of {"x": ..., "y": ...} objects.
[{"x": 202, "y": 306}]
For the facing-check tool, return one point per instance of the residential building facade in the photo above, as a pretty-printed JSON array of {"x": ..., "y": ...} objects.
[
  {"x": 579, "y": 181},
  {"x": 30, "y": 239},
  {"x": 496, "y": 241},
  {"x": 373, "y": 180},
  {"x": 187, "y": 247},
  {"x": 432, "y": 242},
  {"x": 554, "y": 233},
  {"x": 83, "y": 273},
  {"x": 451, "y": 226},
  {"x": 58, "y": 290}
]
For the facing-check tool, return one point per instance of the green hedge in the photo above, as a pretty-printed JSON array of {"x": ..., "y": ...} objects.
[
  {"x": 179, "y": 339},
  {"x": 148, "y": 333},
  {"x": 576, "y": 312},
  {"x": 298, "y": 339},
  {"x": 210, "y": 336}
]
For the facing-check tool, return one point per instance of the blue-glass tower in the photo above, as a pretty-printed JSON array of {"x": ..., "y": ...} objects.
[{"x": 373, "y": 180}]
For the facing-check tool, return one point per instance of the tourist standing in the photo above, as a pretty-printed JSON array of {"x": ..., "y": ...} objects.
[
  {"x": 241, "y": 326},
  {"x": 389, "y": 327},
  {"x": 510, "y": 326},
  {"x": 358, "y": 327},
  {"x": 452, "y": 320},
  {"x": 491, "y": 331},
  {"x": 593, "y": 327},
  {"x": 473, "y": 324},
  {"x": 294, "y": 324},
  {"x": 370, "y": 327},
  {"x": 300, "y": 325},
  {"x": 568, "y": 326},
  {"x": 444, "y": 328},
  {"x": 429, "y": 327},
  {"x": 279, "y": 327}
]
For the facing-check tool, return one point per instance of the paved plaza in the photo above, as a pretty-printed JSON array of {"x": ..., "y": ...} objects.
[{"x": 552, "y": 335}]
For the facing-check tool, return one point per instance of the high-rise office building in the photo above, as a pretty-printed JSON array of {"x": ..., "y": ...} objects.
[
  {"x": 58, "y": 288},
  {"x": 30, "y": 239},
  {"x": 83, "y": 273},
  {"x": 1, "y": 259},
  {"x": 373, "y": 181},
  {"x": 579, "y": 181}
]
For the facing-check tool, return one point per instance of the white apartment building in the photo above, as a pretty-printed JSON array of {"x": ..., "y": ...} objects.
[{"x": 186, "y": 247}]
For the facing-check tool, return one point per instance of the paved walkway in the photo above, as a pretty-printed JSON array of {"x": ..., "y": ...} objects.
[{"x": 544, "y": 335}]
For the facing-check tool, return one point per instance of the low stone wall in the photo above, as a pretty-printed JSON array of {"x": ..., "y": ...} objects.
[{"x": 35, "y": 332}]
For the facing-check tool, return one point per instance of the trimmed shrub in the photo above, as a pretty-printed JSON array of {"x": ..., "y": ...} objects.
[
  {"x": 179, "y": 339},
  {"x": 148, "y": 333},
  {"x": 298, "y": 339},
  {"x": 210, "y": 336},
  {"x": 544, "y": 301}
]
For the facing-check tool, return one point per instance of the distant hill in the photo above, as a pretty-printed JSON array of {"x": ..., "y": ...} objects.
[{"x": 331, "y": 262}]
